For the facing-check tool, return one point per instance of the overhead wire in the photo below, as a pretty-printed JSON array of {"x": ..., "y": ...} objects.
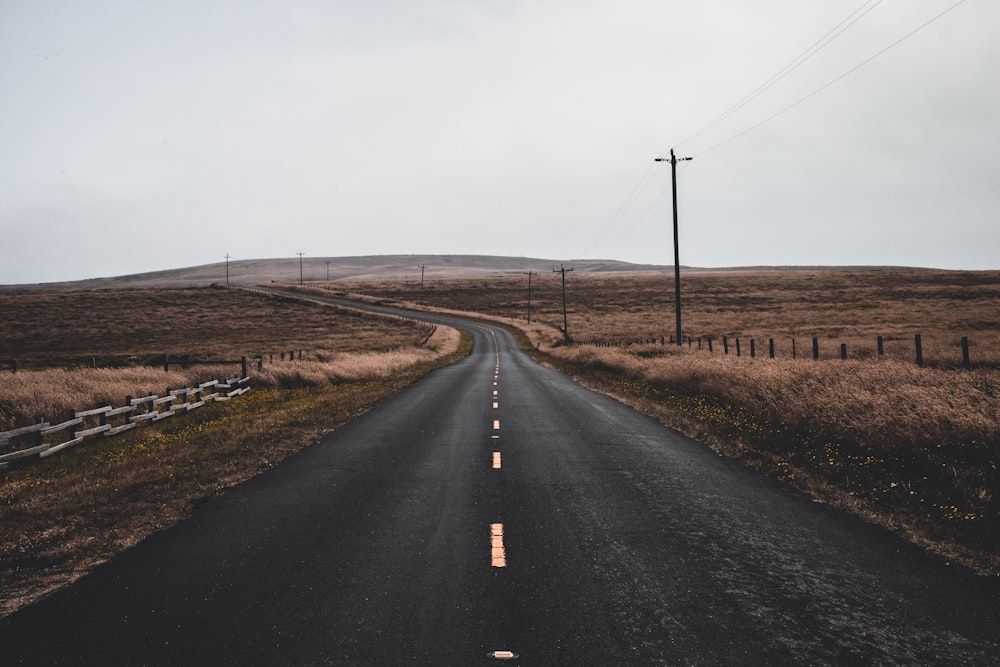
[
  {"x": 831, "y": 82},
  {"x": 643, "y": 182},
  {"x": 817, "y": 46},
  {"x": 639, "y": 187},
  {"x": 650, "y": 207},
  {"x": 790, "y": 67}
]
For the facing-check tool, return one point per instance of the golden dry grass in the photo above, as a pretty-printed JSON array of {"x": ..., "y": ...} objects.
[
  {"x": 126, "y": 327},
  {"x": 913, "y": 448},
  {"x": 852, "y": 306},
  {"x": 194, "y": 325},
  {"x": 60, "y": 517}
]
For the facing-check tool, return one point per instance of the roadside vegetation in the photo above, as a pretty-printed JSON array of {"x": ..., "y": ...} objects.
[
  {"x": 913, "y": 448},
  {"x": 61, "y": 516}
]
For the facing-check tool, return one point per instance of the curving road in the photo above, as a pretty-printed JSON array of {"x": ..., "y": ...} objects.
[{"x": 495, "y": 509}]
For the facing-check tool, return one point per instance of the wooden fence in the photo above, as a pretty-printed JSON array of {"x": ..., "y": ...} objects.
[
  {"x": 43, "y": 439},
  {"x": 748, "y": 347}
]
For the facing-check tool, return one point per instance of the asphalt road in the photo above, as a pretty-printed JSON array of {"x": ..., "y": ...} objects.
[{"x": 498, "y": 508}]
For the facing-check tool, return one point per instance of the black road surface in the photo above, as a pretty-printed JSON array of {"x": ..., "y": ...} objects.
[{"x": 602, "y": 538}]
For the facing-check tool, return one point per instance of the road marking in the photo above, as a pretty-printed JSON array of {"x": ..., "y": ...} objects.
[
  {"x": 494, "y": 392},
  {"x": 497, "y": 551},
  {"x": 502, "y": 655},
  {"x": 496, "y": 460},
  {"x": 495, "y": 405},
  {"x": 496, "y": 424}
]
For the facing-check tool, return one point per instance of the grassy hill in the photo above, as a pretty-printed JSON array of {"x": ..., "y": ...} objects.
[{"x": 254, "y": 271}]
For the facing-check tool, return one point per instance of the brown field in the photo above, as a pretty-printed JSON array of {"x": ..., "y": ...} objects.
[
  {"x": 835, "y": 305},
  {"x": 128, "y": 327},
  {"x": 55, "y": 338},
  {"x": 914, "y": 448},
  {"x": 60, "y": 517}
]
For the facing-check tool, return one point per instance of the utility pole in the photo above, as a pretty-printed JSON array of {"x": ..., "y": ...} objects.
[
  {"x": 300, "y": 266},
  {"x": 227, "y": 268},
  {"x": 422, "y": 267},
  {"x": 565, "y": 329},
  {"x": 677, "y": 257},
  {"x": 529, "y": 274},
  {"x": 328, "y": 271}
]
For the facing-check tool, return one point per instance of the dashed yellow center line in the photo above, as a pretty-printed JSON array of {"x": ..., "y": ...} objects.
[
  {"x": 497, "y": 551},
  {"x": 496, "y": 460}
]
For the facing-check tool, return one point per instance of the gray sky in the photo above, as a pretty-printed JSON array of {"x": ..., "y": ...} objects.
[{"x": 139, "y": 135}]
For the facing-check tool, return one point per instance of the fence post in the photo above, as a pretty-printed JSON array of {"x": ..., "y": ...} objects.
[
  {"x": 753, "y": 348},
  {"x": 725, "y": 345},
  {"x": 843, "y": 350},
  {"x": 699, "y": 342},
  {"x": 710, "y": 345},
  {"x": 920, "y": 350},
  {"x": 737, "y": 346},
  {"x": 965, "y": 351},
  {"x": 881, "y": 346},
  {"x": 815, "y": 348},
  {"x": 793, "y": 347},
  {"x": 166, "y": 364},
  {"x": 770, "y": 346}
]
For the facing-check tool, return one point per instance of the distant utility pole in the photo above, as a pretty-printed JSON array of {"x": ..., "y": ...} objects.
[
  {"x": 300, "y": 266},
  {"x": 227, "y": 268},
  {"x": 677, "y": 257},
  {"x": 565, "y": 330},
  {"x": 328, "y": 271},
  {"x": 422, "y": 267},
  {"x": 529, "y": 274}
]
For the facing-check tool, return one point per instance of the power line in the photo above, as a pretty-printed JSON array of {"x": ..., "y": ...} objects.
[
  {"x": 830, "y": 83},
  {"x": 646, "y": 211},
  {"x": 639, "y": 187},
  {"x": 647, "y": 175},
  {"x": 791, "y": 66}
]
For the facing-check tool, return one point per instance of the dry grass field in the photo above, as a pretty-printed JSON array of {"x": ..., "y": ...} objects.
[
  {"x": 56, "y": 338},
  {"x": 914, "y": 448},
  {"x": 61, "y": 516},
  {"x": 851, "y": 306}
]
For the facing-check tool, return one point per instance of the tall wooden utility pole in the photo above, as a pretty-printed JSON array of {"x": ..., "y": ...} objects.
[
  {"x": 565, "y": 330},
  {"x": 300, "y": 266},
  {"x": 227, "y": 268},
  {"x": 422, "y": 267},
  {"x": 677, "y": 256},
  {"x": 529, "y": 274}
]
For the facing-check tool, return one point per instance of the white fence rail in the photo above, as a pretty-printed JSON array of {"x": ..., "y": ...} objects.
[{"x": 42, "y": 440}]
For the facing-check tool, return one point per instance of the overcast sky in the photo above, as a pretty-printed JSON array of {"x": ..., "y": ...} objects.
[{"x": 140, "y": 135}]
